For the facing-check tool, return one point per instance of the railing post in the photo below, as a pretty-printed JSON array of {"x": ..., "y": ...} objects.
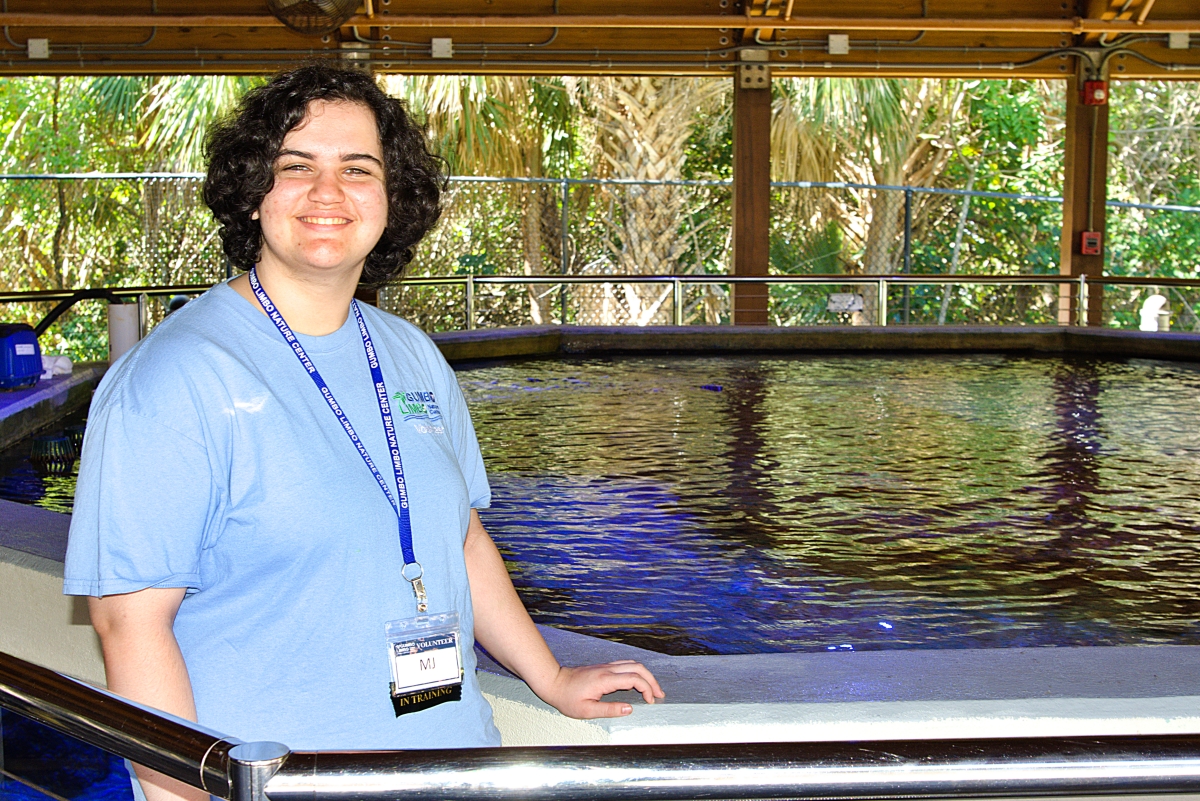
[
  {"x": 251, "y": 766},
  {"x": 1082, "y": 301},
  {"x": 470, "y": 301},
  {"x": 143, "y": 315},
  {"x": 881, "y": 303},
  {"x": 563, "y": 246},
  {"x": 908, "y": 196},
  {"x": 677, "y": 300}
]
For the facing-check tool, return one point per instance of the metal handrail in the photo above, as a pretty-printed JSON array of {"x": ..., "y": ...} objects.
[
  {"x": 686, "y": 278},
  {"x": 38, "y": 295},
  {"x": 966, "y": 768},
  {"x": 881, "y": 282},
  {"x": 973, "y": 768},
  {"x": 177, "y": 748}
]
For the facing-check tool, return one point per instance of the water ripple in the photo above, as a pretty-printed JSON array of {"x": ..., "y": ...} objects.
[{"x": 833, "y": 502}]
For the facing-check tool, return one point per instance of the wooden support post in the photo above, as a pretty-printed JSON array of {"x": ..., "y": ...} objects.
[
  {"x": 751, "y": 199},
  {"x": 1085, "y": 169}
]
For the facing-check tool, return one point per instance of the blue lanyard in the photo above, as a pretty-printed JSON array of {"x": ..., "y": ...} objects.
[{"x": 389, "y": 428}]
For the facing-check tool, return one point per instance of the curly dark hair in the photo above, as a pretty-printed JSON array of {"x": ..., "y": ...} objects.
[{"x": 242, "y": 149}]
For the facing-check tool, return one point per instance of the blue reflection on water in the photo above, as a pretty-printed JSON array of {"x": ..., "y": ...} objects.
[
  {"x": 838, "y": 503},
  {"x": 588, "y": 555},
  {"x": 57, "y": 763}
]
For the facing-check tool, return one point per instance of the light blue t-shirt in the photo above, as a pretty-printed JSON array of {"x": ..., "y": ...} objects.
[{"x": 212, "y": 462}]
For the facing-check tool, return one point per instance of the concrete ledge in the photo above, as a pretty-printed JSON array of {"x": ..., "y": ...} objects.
[
  {"x": 34, "y": 531},
  {"x": 499, "y": 343},
  {"x": 27, "y": 411},
  {"x": 808, "y": 697},
  {"x": 460, "y": 346},
  {"x": 37, "y": 622}
]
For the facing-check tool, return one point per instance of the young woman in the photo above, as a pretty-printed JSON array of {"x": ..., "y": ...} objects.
[{"x": 268, "y": 550}]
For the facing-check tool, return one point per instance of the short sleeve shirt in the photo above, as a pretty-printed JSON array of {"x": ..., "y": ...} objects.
[{"x": 211, "y": 462}]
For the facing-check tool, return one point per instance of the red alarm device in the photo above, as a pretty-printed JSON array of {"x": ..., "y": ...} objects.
[{"x": 1095, "y": 93}]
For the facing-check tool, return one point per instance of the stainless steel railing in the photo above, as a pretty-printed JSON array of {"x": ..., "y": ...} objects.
[
  {"x": 878, "y": 770},
  {"x": 882, "y": 283},
  {"x": 224, "y": 767},
  {"x": 177, "y": 748}
]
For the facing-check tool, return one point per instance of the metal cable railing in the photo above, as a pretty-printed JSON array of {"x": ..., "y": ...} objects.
[
  {"x": 975, "y": 768},
  {"x": 881, "y": 284}
]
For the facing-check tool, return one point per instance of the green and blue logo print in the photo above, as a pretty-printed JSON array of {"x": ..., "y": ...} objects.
[{"x": 419, "y": 408}]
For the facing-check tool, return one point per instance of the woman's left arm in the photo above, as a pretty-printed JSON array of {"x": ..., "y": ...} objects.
[{"x": 504, "y": 628}]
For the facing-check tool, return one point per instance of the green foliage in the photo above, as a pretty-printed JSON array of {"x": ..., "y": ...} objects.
[
  {"x": 1005, "y": 136},
  {"x": 559, "y": 124},
  {"x": 475, "y": 264},
  {"x": 1155, "y": 159},
  {"x": 53, "y": 125},
  {"x": 709, "y": 154},
  {"x": 69, "y": 234},
  {"x": 1009, "y": 118},
  {"x": 179, "y": 111},
  {"x": 808, "y": 252}
]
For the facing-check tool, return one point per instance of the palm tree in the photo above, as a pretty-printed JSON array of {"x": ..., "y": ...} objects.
[
  {"x": 173, "y": 115},
  {"x": 896, "y": 132},
  {"x": 501, "y": 126},
  {"x": 641, "y": 126}
]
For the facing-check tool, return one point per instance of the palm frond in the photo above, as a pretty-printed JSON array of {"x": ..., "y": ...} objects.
[
  {"x": 181, "y": 109},
  {"x": 120, "y": 96}
]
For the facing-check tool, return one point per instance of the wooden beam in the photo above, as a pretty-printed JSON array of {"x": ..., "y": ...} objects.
[
  {"x": 751, "y": 200},
  {"x": 19, "y": 19},
  {"x": 1085, "y": 190},
  {"x": 1075, "y": 25}
]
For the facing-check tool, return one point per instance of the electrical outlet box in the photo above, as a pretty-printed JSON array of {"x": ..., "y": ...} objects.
[
  {"x": 1089, "y": 243},
  {"x": 754, "y": 76},
  {"x": 37, "y": 48},
  {"x": 441, "y": 48},
  {"x": 1095, "y": 93},
  {"x": 1179, "y": 40},
  {"x": 839, "y": 44},
  {"x": 356, "y": 56}
]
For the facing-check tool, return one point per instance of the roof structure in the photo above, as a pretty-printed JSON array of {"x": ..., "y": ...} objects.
[{"x": 944, "y": 38}]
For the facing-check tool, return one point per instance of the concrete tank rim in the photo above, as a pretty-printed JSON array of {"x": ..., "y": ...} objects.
[{"x": 575, "y": 341}]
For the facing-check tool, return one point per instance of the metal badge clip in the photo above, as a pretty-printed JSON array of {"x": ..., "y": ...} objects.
[{"x": 422, "y": 600}]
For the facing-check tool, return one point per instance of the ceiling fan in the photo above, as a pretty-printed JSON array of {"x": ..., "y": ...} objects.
[{"x": 313, "y": 17}]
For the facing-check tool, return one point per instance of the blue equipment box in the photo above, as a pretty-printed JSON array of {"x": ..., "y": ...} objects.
[{"x": 20, "y": 356}]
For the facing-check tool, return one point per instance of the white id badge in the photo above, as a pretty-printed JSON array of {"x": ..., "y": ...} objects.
[{"x": 426, "y": 661}]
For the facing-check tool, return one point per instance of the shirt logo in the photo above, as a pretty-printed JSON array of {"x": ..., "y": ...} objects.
[{"x": 421, "y": 409}]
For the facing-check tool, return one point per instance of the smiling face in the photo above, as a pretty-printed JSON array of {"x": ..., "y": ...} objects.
[{"x": 329, "y": 204}]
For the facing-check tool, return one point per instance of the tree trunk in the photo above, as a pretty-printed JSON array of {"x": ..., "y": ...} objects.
[
  {"x": 884, "y": 245},
  {"x": 531, "y": 237},
  {"x": 644, "y": 124},
  {"x": 963, "y": 211},
  {"x": 60, "y": 230}
]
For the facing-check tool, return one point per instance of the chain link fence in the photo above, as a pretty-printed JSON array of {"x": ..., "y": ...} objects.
[
  {"x": 575, "y": 228},
  {"x": 61, "y": 232}
]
